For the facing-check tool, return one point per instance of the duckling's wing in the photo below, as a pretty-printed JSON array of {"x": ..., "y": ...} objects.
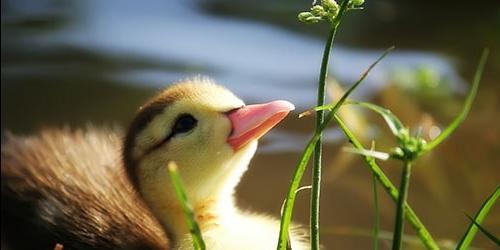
[{"x": 69, "y": 187}]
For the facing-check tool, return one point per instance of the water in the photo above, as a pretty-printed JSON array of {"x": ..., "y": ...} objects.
[{"x": 242, "y": 54}]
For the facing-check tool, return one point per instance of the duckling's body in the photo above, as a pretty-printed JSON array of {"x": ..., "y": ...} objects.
[
  {"x": 69, "y": 187},
  {"x": 246, "y": 231},
  {"x": 90, "y": 189}
]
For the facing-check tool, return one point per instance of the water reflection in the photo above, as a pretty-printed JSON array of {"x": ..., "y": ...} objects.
[{"x": 244, "y": 55}]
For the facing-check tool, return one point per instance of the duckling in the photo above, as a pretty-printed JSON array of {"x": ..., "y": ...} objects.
[
  {"x": 90, "y": 189},
  {"x": 68, "y": 186}
]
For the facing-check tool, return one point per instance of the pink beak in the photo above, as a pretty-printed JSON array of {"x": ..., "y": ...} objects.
[{"x": 253, "y": 121}]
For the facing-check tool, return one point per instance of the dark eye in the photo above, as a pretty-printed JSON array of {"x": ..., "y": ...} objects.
[{"x": 183, "y": 124}]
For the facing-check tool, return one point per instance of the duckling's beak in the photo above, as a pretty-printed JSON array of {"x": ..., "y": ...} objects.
[{"x": 253, "y": 121}]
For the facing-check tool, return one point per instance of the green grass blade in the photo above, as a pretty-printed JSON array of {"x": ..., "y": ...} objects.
[
  {"x": 466, "y": 108},
  {"x": 392, "y": 121},
  {"x": 286, "y": 216},
  {"x": 484, "y": 231},
  {"x": 376, "y": 224},
  {"x": 393, "y": 192},
  {"x": 479, "y": 218},
  {"x": 335, "y": 106},
  {"x": 193, "y": 227}
]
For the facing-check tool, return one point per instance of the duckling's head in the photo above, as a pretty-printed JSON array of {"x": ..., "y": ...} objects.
[{"x": 206, "y": 130}]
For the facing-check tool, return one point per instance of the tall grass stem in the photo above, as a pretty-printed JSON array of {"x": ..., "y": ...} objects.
[
  {"x": 320, "y": 118},
  {"x": 376, "y": 226},
  {"x": 286, "y": 216},
  {"x": 400, "y": 208}
]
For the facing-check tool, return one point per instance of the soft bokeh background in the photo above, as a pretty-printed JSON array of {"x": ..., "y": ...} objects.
[{"x": 73, "y": 62}]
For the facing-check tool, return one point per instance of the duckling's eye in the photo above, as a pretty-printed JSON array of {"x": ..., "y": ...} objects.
[{"x": 184, "y": 123}]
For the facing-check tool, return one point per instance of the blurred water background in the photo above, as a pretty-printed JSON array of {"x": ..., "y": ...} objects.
[{"x": 68, "y": 62}]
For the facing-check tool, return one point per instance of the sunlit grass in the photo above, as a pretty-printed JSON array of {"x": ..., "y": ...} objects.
[
  {"x": 475, "y": 224},
  {"x": 194, "y": 229},
  {"x": 306, "y": 155},
  {"x": 410, "y": 147}
]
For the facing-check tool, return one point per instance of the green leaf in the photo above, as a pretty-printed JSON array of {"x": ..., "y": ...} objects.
[
  {"x": 198, "y": 243},
  {"x": 484, "y": 231},
  {"x": 471, "y": 231},
  {"x": 392, "y": 121},
  {"x": 466, "y": 108},
  {"x": 333, "y": 107}
]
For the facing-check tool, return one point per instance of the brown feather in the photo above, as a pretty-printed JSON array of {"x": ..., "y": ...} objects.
[{"x": 76, "y": 188}]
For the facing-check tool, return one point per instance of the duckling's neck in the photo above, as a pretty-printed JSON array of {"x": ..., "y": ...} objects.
[
  {"x": 211, "y": 196},
  {"x": 209, "y": 214}
]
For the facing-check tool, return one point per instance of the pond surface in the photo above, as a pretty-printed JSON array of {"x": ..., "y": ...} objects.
[{"x": 72, "y": 62}]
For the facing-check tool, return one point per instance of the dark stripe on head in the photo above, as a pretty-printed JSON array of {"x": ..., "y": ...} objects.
[{"x": 145, "y": 115}]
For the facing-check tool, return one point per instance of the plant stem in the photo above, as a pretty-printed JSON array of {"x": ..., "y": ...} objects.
[
  {"x": 287, "y": 213},
  {"x": 376, "y": 226},
  {"x": 286, "y": 216},
  {"x": 320, "y": 117},
  {"x": 400, "y": 209},
  {"x": 384, "y": 181}
]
